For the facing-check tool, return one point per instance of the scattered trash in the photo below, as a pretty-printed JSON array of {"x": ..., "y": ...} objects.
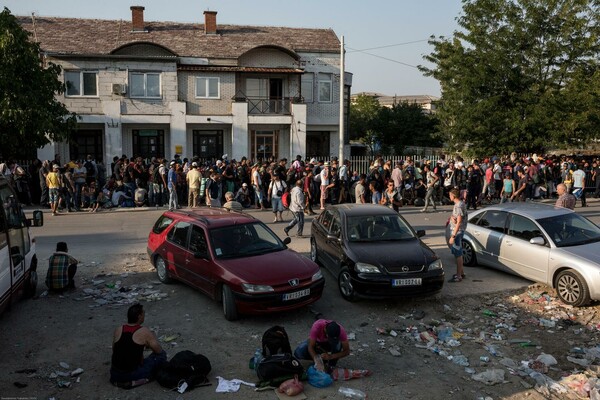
[
  {"x": 64, "y": 365},
  {"x": 77, "y": 372},
  {"x": 350, "y": 393},
  {"x": 64, "y": 384},
  {"x": 490, "y": 377}
]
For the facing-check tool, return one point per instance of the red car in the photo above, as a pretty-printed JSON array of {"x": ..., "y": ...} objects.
[{"x": 235, "y": 259}]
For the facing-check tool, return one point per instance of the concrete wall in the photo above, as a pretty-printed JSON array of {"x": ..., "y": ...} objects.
[{"x": 221, "y": 106}]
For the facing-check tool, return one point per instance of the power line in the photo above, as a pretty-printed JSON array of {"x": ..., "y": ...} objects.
[
  {"x": 391, "y": 45},
  {"x": 385, "y": 58}
]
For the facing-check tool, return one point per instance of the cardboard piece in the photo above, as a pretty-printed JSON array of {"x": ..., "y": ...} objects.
[{"x": 283, "y": 396}]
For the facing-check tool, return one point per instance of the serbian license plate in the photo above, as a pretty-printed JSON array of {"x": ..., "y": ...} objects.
[
  {"x": 296, "y": 295},
  {"x": 407, "y": 282}
]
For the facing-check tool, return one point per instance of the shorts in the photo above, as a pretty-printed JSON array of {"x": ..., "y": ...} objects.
[
  {"x": 53, "y": 195},
  {"x": 456, "y": 249},
  {"x": 323, "y": 192}
]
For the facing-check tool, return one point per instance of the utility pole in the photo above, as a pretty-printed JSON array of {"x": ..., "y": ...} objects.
[{"x": 341, "y": 147}]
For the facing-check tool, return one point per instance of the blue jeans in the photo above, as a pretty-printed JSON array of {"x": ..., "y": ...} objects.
[
  {"x": 173, "y": 202},
  {"x": 277, "y": 204},
  {"x": 298, "y": 219},
  {"x": 301, "y": 352},
  {"x": 456, "y": 249},
  {"x": 146, "y": 371}
]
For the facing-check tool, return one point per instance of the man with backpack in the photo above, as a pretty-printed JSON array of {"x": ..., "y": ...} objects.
[
  {"x": 328, "y": 340},
  {"x": 91, "y": 170}
]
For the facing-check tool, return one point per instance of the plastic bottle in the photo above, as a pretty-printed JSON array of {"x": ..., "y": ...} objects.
[
  {"x": 256, "y": 359},
  {"x": 352, "y": 393}
]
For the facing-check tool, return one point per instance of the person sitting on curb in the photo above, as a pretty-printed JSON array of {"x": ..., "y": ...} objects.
[
  {"x": 231, "y": 204},
  {"x": 61, "y": 269},
  {"x": 328, "y": 340},
  {"x": 129, "y": 368}
]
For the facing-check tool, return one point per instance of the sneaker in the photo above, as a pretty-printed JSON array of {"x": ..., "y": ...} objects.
[
  {"x": 286, "y": 230},
  {"x": 423, "y": 210},
  {"x": 455, "y": 278},
  {"x": 275, "y": 220}
]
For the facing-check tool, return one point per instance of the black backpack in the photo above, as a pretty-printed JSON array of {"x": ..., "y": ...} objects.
[
  {"x": 275, "y": 340},
  {"x": 184, "y": 366},
  {"x": 278, "y": 366}
]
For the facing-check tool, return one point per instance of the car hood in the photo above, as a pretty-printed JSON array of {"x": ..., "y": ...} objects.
[
  {"x": 271, "y": 268},
  {"x": 590, "y": 252},
  {"x": 390, "y": 253}
]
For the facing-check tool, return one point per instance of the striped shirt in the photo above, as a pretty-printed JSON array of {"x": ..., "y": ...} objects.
[{"x": 58, "y": 270}]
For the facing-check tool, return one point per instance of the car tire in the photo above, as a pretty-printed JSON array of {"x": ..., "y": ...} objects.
[
  {"x": 31, "y": 285},
  {"x": 229, "y": 308},
  {"x": 469, "y": 257},
  {"x": 345, "y": 285},
  {"x": 161, "y": 270},
  {"x": 313, "y": 251},
  {"x": 572, "y": 289}
]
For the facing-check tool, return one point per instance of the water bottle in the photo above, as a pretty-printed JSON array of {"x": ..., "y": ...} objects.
[
  {"x": 256, "y": 359},
  {"x": 352, "y": 393}
]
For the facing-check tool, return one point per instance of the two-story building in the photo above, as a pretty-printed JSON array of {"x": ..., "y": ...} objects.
[{"x": 164, "y": 88}]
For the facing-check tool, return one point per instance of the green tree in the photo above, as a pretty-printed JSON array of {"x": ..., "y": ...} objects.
[
  {"x": 405, "y": 124},
  {"x": 519, "y": 75},
  {"x": 30, "y": 114},
  {"x": 364, "y": 115}
]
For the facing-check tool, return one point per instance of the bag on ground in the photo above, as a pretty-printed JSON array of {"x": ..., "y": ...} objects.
[
  {"x": 291, "y": 387},
  {"x": 318, "y": 379},
  {"x": 277, "y": 366},
  {"x": 275, "y": 340},
  {"x": 184, "y": 366}
]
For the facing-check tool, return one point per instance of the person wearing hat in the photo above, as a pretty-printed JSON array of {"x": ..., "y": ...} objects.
[
  {"x": 193, "y": 181},
  {"x": 326, "y": 339},
  {"x": 172, "y": 186},
  {"x": 53, "y": 181},
  {"x": 325, "y": 175},
  {"x": 243, "y": 196}
]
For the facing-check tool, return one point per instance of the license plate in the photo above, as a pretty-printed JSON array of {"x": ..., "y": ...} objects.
[
  {"x": 296, "y": 295},
  {"x": 407, "y": 282}
]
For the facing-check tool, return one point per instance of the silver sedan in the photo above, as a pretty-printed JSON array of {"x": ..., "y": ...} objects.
[{"x": 546, "y": 244}]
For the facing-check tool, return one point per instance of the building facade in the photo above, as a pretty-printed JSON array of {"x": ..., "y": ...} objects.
[{"x": 156, "y": 89}]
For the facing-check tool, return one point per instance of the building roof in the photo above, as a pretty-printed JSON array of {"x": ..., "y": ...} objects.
[{"x": 102, "y": 37}]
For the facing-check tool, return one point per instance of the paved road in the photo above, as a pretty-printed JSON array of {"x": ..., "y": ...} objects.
[{"x": 91, "y": 236}]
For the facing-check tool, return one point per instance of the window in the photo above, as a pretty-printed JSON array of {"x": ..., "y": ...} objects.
[
  {"x": 207, "y": 88},
  {"x": 523, "y": 228},
  {"x": 81, "y": 83},
  {"x": 326, "y": 219},
  {"x": 198, "y": 241},
  {"x": 325, "y": 88},
  {"x": 307, "y": 87},
  {"x": 493, "y": 220},
  {"x": 148, "y": 142},
  {"x": 162, "y": 224},
  {"x": 84, "y": 142},
  {"x": 179, "y": 234},
  {"x": 144, "y": 84}
]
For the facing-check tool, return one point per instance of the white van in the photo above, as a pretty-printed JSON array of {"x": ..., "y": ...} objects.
[{"x": 18, "y": 262}]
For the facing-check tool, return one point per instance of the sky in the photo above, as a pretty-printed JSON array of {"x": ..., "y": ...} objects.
[{"x": 394, "y": 32}]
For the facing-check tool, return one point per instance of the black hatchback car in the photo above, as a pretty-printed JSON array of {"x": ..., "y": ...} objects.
[{"x": 374, "y": 252}]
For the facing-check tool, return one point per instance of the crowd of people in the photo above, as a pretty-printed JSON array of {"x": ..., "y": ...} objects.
[{"x": 157, "y": 182}]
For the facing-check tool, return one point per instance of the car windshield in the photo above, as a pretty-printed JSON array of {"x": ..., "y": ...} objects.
[
  {"x": 377, "y": 228},
  {"x": 570, "y": 230},
  {"x": 244, "y": 240}
]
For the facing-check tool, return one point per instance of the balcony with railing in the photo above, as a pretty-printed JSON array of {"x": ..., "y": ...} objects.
[{"x": 262, "y": 106}]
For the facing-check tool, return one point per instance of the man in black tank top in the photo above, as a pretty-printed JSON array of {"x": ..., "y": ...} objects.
[{"x": 129, "y": 367}]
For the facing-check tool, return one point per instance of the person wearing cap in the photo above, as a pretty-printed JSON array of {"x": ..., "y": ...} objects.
[
  {"x": 325, "y": 175},
  {"x": 326, "y": 339},
  {"x": 243, "y": 196},
  {"x": 276, "y": 189},
  {"x": 53, "y": 181},
  {"x": 172, "y": 186},
  {"x": 193, "y": 182}
]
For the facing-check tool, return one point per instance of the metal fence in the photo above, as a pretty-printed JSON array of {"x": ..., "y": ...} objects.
[{"x": 362, "y": 164}]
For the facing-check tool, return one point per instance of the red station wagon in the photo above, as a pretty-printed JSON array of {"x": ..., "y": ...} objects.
[{"x": 234, "y": 258}]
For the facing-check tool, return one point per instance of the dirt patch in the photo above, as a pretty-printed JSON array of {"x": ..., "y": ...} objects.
[{"x": 416, "y": 349}]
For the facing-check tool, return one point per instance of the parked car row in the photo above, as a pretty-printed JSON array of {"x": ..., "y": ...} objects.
[{"x": 371, "y": 251}]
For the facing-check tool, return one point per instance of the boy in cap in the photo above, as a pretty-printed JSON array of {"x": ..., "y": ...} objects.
[{"x": 329, "y": 340}]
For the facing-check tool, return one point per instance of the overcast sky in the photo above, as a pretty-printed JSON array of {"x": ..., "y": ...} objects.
[{"x": 402, "y": 26}]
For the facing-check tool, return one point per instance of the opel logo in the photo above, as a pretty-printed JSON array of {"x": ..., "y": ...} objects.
[
  {"x": 294, "y": 282},
  {"x": 405, "y": 268}
]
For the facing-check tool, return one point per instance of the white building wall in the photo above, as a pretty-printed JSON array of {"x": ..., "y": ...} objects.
[{"x": 323, "y": 113}]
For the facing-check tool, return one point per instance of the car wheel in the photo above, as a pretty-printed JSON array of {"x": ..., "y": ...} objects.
[
  {"x": 161, "y": 270},
  {"x": 313, "y": 251},
  {"x": 345, "y": 285},
  {"x": 469, "y": 258},
  {"x": 572, "y": 289},
  {"x": 31, "y": 284},
  {"x": 229, "y": 309}
]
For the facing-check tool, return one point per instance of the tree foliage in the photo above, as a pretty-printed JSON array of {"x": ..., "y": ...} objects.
[
  {"x": 391, "y": 129},
  {"x": 520, "y": 75},
  {"x": 30, "y": 115}
]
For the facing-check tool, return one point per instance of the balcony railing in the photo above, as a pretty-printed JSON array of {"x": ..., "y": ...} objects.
[{"x": 269, "y": 106}]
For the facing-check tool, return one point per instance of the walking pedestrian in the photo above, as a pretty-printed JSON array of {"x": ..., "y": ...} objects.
[
  {"x": 172, "y": 186},
  {"x": 432, "y": 182},
  {"x": 297, "y": 209},
  {"x": 458, "y": 224}
]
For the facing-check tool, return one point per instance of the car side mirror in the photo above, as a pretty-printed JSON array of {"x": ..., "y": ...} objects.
[
  {"x": 420, "y": 233},
  {"x": 538, "y": 240},
  {"x": 333, "y": 238},
  {"x": 287, "y": 241}
]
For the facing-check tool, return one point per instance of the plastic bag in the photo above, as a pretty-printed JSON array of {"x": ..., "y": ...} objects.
[
  {"x": 291, "y": 387},
  {"x": 318, "y": 379}
]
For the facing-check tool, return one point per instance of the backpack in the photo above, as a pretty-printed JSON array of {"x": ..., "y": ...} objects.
[
  {"x": 89, "y": 169},
  {"x": 275, "y": 340},
  {"x": 285, "y": 199},
  {"x": 278, "y": 366},
  {"x": 184, "y": 366},
  {"x": 156, "y": 178}
]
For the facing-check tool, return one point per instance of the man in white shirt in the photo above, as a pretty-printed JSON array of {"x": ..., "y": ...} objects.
[
  {"x": 579, "y": 184},
  {"x": 324, "y": 184},
  {"x": 297, "y": 208}
]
